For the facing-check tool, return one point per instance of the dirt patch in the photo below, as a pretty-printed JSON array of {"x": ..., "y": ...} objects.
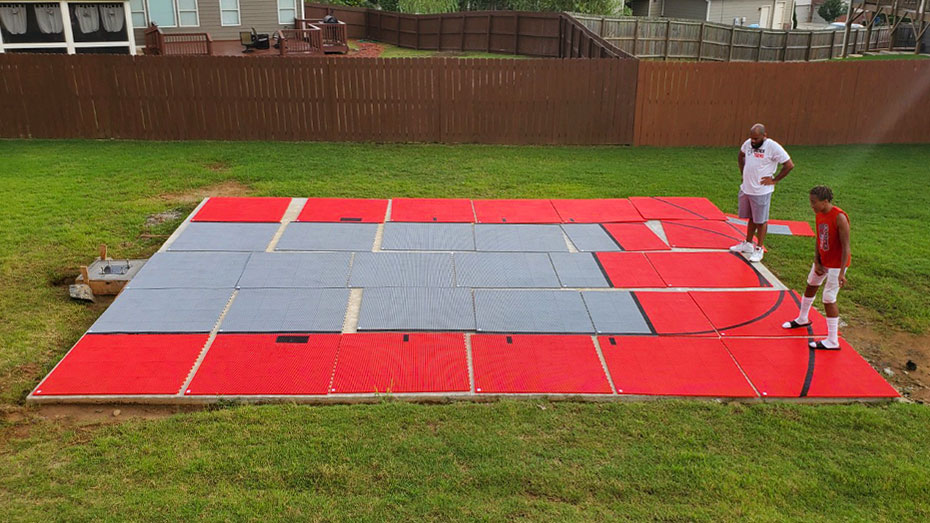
[
  {"x": 159, "y": 218},
  {"x": 892, "y": 350},
  {"x": 217, "y": 167},
  {"x": 366, "y": 50},
  {"x": 227, "y": 188}
]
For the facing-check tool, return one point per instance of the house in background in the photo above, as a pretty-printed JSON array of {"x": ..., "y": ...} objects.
[
  {"x": 66, "y": 27},
  {"x": 767, "y": 14},
  {"x": 221, "y": 19}
]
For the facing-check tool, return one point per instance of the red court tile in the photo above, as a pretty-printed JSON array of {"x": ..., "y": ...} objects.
[
  {"x": 676, "y": 208},
  {"x": 629, "y": 270},
  {"x": 797, "y": 228},
  {"x": 706, "y": 269},
  {"x": 266, "y": 364},
  {"x": 343, "y": 210},
  {"x": 702, "y": 234},
  {"x": 756, "y": 313},
  {"x": 782, "y": 367},
  {"x": 222, "y": 209},
  {"x": 432, "y": 210},
  {"x": 670, "y": 366},
  {"x": 541, "y": 364},
  {"x": 125, "y": 364},
  {"x": 597, "y": 211},
  {"x": 515, "y": 211},
  {"x": 674, "y": 313},
  {"x": 635, "y": 237},
  {"x": 386, "y": 363}
]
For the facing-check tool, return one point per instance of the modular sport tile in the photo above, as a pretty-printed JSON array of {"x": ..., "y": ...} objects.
[
  {"x": 629, "y": 270},
  {"x": 163, "y": 311},
  {"x": 519, "y": 238},
  {"x": 706, "y": 269},
  {"x": 296, "y": 269},
  {"x": 402, "y": 269},
  {"x": 757, "y": 313},
  {"x": 674, "y": 314},
  {"x": 124, "y": 364},
  {"x": 505, "y": 270},
  {"x": 702, "y": 234},
  {"x": 287, "y": 310},
  {"x": 343, "y": 210},
  {"x": 409, "y": 309},
  {"x": 327, "y": 237},
  {"x": 616, "y": 312},
  {"x": 635, "y": 237},
  {"x": 590, "y": 237},
  {"x": 578, "y": 270},
  {"x": 515, "y": 211},
  {"x": 432, "y": 210},
  {"x": 204, "y": 236},
  {"x": 605, "y": 210},
  {"x": 225, "y": 209},
  {"x": 531, "y": 311},
  {"x": 428, "y": 237},
  {"x": 191, "y": 270},
  {"x": 677, "y": 208}
]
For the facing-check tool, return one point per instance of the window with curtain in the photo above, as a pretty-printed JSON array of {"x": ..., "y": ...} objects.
[
  {"x": 287, "y": 11},
  {"x": 229, "y": 12},
  {"x": 187, "y": 13},
  {"x": 161, "y": 13},
  {"x": 137, "y": 8}
]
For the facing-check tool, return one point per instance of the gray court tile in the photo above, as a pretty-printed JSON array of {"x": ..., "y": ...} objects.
[
  {"x": 615, "y": 312},
  {"x": 504, "y": 270},
  {"x": 590, "y": 237},
  {"x": 578, "y": 270},
  {"x": 163, "y": 310},
  {"x": 519, "y": 238},
  {"x": 401, "y": 269},
  {"x": 287, "y": 310},
  {"x": 531, "y": 311},
  {"x": 190, "y": 270},
  {"x": 428, "y": 237},
  {"x": 202, "y": 236},
  {"x": 433, "y": 309},
  {"x": 296, "y": 269},
  {"x": 299, "y": 236},
  {"x": 773, "y": 228}
]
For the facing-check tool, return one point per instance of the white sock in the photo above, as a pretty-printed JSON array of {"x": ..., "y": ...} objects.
[
  {"x": 805, "y": 309},
  {"x": 833, "y": 325}
]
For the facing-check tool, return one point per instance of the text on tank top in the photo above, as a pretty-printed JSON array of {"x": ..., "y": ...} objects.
[{"x": 828, "y": 238}]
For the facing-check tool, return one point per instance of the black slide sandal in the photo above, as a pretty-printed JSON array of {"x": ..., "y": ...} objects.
[
  {"x": 795, "y": 325},
  {"x": 820, "y": 346}
]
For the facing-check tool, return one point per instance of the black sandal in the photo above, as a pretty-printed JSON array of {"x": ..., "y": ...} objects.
[
  {"x": 795, "y": 325},
  {"x": 820, "y": 346}
]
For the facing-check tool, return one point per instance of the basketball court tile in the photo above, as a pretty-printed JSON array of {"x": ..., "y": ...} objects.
[
  {"x": 616, "y": 312},
  {"x": 327, "y": 237},
  {"x": 519, "y": 238},
  {"x": 605, "y": 210},
  {"x": 785, "y": 227},
  {"x": 123, "y": 364},
  {"x": 402, "y": 269},
  {"x": 448, "y": 210},
  {"x": 209, "y": 236},
  {"x": 287, "y": 310},
  {"x": 702, "y": 234},
  {"x": 227, "y": 209},
  {"x": 515, "y": 211},
  {"x": 635, "y": 237},
  {"x": 578, "y": 270},
  {"x": 266, "y": 364},
  {"x": 428, "y": 237},
  {"x": 788, "y": 368},
  {"x": 674, "y": 314},
  {"x": 629, "y": 270},
  {"x": 531, "y": 311},
  {"x": 408, "y": 309},
  {"x": 706, "y": 269},
  {"x": 504, "y": 270},
  {"x": 401, "y": 363},
  {"x": 163, "y": 311},
  {"x": 676, "y": 208},
  {"x": 191, "y": 270},
  {"x": 673, "y": 366},
  {"x": 757, "y": 313},
  {"x": 590, "y": 237},
  {"x": 296, "y": 269},
  {"x": 343, "y": 210},
  {"x": 540, "y": 364}
]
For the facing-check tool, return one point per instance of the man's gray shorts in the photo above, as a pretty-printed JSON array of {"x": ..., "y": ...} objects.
[{"x": 755, "y": 207}]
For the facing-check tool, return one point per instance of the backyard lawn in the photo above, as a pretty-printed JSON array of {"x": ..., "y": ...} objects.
[{"x": 503, "y": 460}]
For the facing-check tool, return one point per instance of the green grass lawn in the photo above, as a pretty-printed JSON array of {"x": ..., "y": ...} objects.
[
  {"x": 661, "y": 460},
  {"x": 902, "y": 56}
]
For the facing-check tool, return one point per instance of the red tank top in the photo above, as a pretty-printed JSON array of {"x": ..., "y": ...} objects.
[{"x": 828, "y": 238}]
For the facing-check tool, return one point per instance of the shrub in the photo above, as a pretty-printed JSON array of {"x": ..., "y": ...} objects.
[
  {"x": 427, "y": 6},
  {"x": 831, "y": 9}
]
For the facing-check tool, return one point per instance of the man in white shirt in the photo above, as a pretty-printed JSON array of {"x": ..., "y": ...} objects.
[{"x": 759, "y": 157}]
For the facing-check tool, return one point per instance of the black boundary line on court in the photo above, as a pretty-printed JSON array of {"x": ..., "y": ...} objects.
[
  {"x": 642, "y": 312},
  {"x": 778, "y": 302},
  {"x": 811, "y": 363},
  {"x": 603, "y": 270},
  {"x": 718, "y": 233},
  {"x": 713, "y": 329},
  {"x": 611, "y": 236},
  {"x": 701, "y": 216},
  {"x": 797, "y": 301},
  {"x": 762, "y": 281}
]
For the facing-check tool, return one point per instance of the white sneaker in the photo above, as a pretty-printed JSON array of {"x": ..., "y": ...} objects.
[
  {"x": 743, "y": 247},
  {"x": 757, "y": 254}
]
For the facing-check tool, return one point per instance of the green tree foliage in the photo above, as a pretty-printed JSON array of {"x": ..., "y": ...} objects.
[
  {"x": 427, "y": 6},
  {"x": 600, "y": 7},
  {"x": 831, "y": 9}
]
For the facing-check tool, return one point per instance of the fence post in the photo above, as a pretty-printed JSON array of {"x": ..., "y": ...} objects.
[
  {"x": 784, "y": 51},
  {"x": 732, "y": 37},
  {"x": 832, "y": 45},
  {"x": 439, "y": 36},
  {"x": 759, "y": 50},
  {"x": 810, "y": 45},
  {"x": 601, "y": 33},
  {"x": 635, "y": 36},
  {"x": 516, "y": 34},
  {"x": 668, "y": 33},
  {"x": 462, "y": 44},
  {"x": 489, "y": 33},
  {"x": 418, "y": 32},
  {"x": 701, "y": 43}
]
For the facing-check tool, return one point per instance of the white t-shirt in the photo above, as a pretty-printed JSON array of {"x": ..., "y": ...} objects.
[{"x": 760, "y": 163}]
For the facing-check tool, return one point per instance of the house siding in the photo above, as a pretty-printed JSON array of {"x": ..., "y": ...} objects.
[
  {"x": 689, "y": 9},
  {"x": 260, "y": 14},
  {"x": 724, "y": 11}
]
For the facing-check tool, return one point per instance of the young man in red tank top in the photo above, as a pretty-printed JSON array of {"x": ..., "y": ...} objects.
[{"x": 831, "y": 259}]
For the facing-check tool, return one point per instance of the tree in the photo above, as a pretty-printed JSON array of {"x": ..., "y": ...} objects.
[{"x": 831, "y": 9}]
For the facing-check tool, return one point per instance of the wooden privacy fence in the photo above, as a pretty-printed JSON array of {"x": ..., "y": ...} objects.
[
  {"x": 671, "y": 39},
  {"x": 707, "y": 104},
  {"x": 547, "y": 101},
  {"x": 525, "y": 33}
]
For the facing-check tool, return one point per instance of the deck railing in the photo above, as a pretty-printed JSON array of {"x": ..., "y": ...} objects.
[
  {"x": 306, "y": 41},
  {"x": 174, "y": 44},
  {"x": 335, "y": 36}
]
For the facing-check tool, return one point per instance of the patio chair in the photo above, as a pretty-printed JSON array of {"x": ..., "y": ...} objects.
[{"x": 251, "y": 40}]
